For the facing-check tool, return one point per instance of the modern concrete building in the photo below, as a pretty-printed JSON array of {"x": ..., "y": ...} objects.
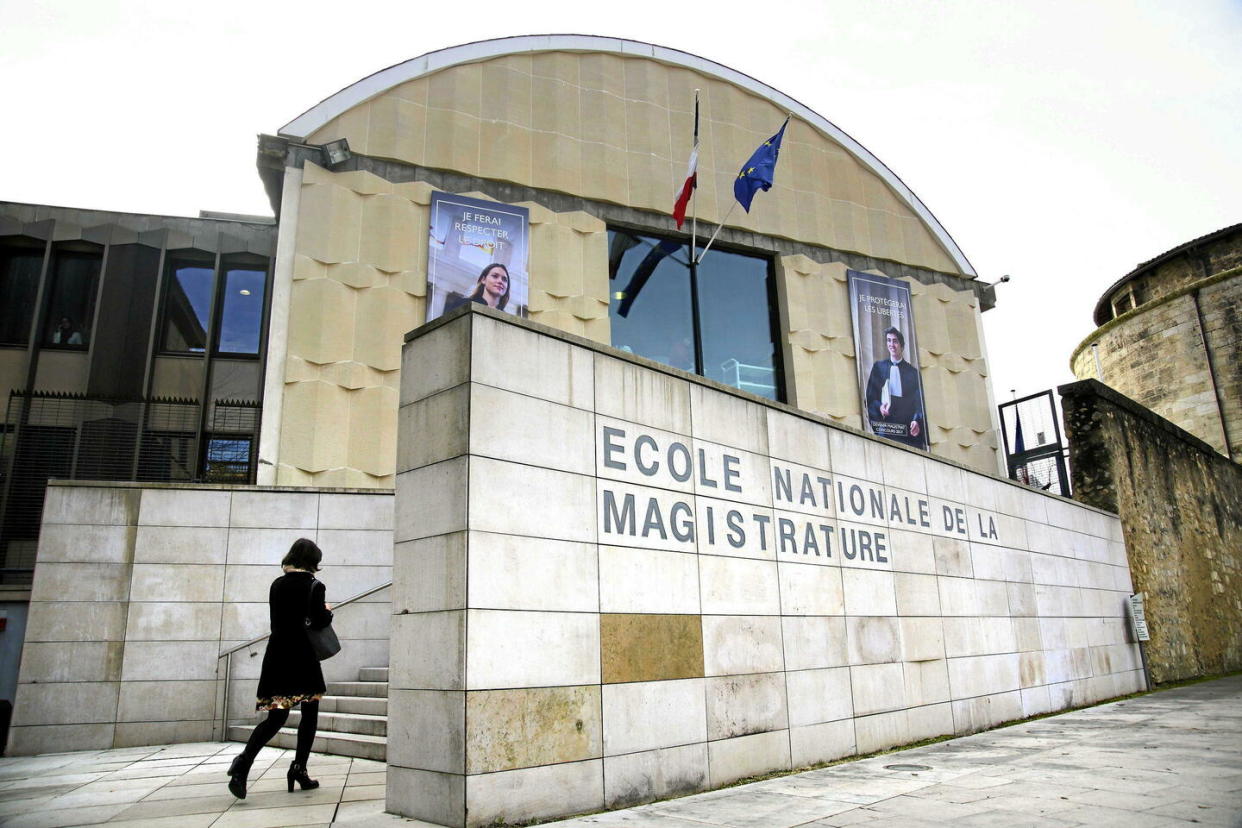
[
  {"x": 748, "y": 358},
  {"x": 1169, "y": 336}
]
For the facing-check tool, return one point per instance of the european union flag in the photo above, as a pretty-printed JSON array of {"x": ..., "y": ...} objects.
[{"x": 756, "y": 174}]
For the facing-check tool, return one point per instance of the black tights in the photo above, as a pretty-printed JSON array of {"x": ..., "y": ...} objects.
[{"x": 275, "y": 720}]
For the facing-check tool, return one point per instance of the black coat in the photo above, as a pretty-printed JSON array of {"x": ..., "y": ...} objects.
[{"x": 291, "y": 672}]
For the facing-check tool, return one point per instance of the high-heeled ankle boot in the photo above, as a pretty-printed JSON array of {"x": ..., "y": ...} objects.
[
  {"x": 297, "y": 773},
  {"x": 238, "y": 771}
]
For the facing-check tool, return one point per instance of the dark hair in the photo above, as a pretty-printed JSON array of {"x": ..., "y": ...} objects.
[
  {"x": 304, "y": 554},
  {"x": 478, "y": 290},
  {"x": 897, "y": 334}
]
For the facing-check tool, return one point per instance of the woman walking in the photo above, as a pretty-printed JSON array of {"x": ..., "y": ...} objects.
[{"x": 291, "y": 673}]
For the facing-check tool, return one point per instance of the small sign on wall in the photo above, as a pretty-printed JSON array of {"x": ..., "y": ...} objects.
[{"x": 1138, "y": 617}]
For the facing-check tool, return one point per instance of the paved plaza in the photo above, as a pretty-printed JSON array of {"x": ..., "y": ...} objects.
[{"x": 1172, "y": 758}]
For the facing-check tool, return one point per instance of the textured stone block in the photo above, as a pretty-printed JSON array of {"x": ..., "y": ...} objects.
[
  {"x": 642, "y": 716},
  {"x": 526, "y": 500},
  {"x": 435, "y": 797},
  {"x": 70, "y": 543},
  {"x": 741, "y": 705},
  {"x": 647, "y": 581},
  {"x": 69, "y": 703},
  {"x": 167, "y": 621},
  {"x": 428, "y": 651},
  {"x": 534, "y": 364},
  {"x": 732, "y": 759},
  {"x": 512, "y": 572},
  {"x": 91, "y": 505},
  {"x": 166, "y": 701},
  {"x": 649, "y": 775},
  {"x": 177, "y": 582},
  {"x": 817, "y": 696},
  {"x": 436, "y": 360},
  {"x": 180, "y": 545},
  {"x": 275, "y": 510},
  {"x": 521, "y": 795},
  {"x": 824, "y": 742},
  {"x": 524, "y": 429},
  {"x": 873, "y": 640},
  {"x": 509, "y": 729},
  {"x": 650, "y": 647},
  {"x": 431, "y": 500},
  {"x": 810, "y": 590},
  {"x": 71, "y": 661},
  {"x": 730, "y": 586},
  {"x": 868, "y": 592},
  {"x": 76, "y": 621},
  {"x": 80, "y": 582},
  {"x": 877, "y": 688},
  {"x": 640, "y": 395},
  {"x": 735, "y": 644},
  {"x": 557, "y": 648},
  {"x": 813, "y": 642}
]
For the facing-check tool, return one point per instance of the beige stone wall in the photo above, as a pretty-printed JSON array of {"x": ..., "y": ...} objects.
[
  {"x": 139, "y": 587},
  {"x": 822, "y": 371},
  {"x": 359, "y": 284},
  {"x": 617, "y": 128},
  {"x": 1156, "y": 356}
]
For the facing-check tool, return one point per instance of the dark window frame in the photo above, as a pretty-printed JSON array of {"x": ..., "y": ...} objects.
[
  {"x": 220, "y": 269},
  {"x": 81, "y": 251},
  {"x": 10, "y": 247}
]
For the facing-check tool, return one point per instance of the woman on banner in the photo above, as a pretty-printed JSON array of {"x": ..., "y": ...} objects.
[{"x": 491, "y": 289}]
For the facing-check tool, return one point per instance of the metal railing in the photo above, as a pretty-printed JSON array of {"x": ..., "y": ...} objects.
[{"x": 222, "y": 709}]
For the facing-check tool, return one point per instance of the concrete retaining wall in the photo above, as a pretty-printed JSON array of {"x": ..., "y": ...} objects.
[
  {"x": 138, "y": 588},
  {"x": 615, "y": 582}
]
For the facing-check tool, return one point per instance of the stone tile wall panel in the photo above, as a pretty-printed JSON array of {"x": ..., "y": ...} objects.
[
  {"x": 126, "y": 653},
  {"x": 717, "y": 656}
]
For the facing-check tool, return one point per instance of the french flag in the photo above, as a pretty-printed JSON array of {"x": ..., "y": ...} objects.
[{"x": 692, "y": 173}]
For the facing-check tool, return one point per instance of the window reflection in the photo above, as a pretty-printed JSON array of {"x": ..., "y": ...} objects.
[
  {"x": 187, "y": 307},
  {"x": 241, "y": 322},
  {"x": 651, "y": 308}
]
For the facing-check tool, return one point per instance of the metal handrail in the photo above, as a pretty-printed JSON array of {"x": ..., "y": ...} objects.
[{"x": 228, "y": 663}]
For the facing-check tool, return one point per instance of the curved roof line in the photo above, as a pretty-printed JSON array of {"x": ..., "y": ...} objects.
[
  {"x": 372, "y": 85},
  {"x": 1103, "y": 307}
]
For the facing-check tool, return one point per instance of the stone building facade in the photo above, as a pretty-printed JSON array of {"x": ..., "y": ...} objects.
[{"x": 1170, "y": 338}]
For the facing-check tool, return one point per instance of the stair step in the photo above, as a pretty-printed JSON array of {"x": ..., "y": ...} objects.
[
  {"x": 364, "y": 705},
  {"x": 346, "y": 723},
  {"x": 373, "y": 674},
  {"x": 338, "y": 744},
  {"x": 374, "y": 689}
]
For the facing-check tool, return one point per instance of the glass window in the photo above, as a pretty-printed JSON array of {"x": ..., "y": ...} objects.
[
  {"x": 71, "y": 300},
  {"x": 650, "y": 308},
  {"x": 19, "y": 285},
  {"x": 228, "y": 459},
  {"x": 187, "y": 306},
  {"x": 652, "y": 298},
  {"x": 241, "y": 320}
]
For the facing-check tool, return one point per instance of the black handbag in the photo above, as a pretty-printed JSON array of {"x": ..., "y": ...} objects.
[{"x": 323, "y": 641}]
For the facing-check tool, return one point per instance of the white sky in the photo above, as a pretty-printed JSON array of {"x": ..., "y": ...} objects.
[{"x": 1059, "y": 141}]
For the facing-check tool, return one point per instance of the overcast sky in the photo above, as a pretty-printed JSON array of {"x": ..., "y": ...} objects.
[{"x": 1060, "y": 142}]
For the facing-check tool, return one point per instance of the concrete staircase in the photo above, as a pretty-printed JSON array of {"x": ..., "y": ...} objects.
[{"x": 353, "y": 719}]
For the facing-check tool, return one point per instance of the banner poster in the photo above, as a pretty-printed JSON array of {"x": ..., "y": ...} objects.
[
  {"x": 476, "y": 252},
  {"x": 887, "y": 354}
]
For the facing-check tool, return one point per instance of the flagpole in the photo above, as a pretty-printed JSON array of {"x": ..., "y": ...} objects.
[
  {"x": 717, "y": 233},
  {"x": 694, "y": 208}
]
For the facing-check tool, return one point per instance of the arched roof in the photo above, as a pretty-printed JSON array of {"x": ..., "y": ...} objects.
[{"x": 373, "y": 85}]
